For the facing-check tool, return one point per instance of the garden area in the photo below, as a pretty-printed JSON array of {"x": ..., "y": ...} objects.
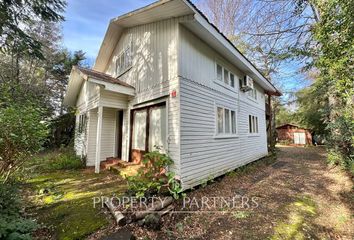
[{"x": 57, "y": 192}]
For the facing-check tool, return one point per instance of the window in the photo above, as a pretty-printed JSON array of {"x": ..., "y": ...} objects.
[
  {"x": 232, "y": 80},
  {"x": 253, "y": 124},
  {"x": 226, "y": 121},
  {"x": 224, "y": 75},
  {"x": 82, "y": 123},
  {"x": 219, "y": 72},
  {"x": 220, "y": 120},
  {"x": 233, "y": 122},
  {"x": 124, "y": 60},
  {"x": 253, "y": 93}
]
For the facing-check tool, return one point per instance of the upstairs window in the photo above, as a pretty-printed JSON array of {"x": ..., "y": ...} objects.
[
  {"x": 226, "y": 121},
  {"x": 225, "y": 76},
  {"x": 253, "y": 124},
  {"x": 232, "y": 80},
  {"x": 124, "y": 60},
  {"x": 253, "y": 94},
  {"x": 218, "y": 72}
]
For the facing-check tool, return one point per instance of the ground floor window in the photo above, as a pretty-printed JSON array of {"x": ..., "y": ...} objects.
[
  {"x": 253, "y": 124},
  {"x": 82, "y": 123},
  {"x": 226, "y": 121}
]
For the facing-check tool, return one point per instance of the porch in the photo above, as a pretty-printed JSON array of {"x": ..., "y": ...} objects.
[{"x": 110, "y": 126}]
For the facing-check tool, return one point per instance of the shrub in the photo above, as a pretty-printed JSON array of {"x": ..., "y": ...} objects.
[
  {"x": 12, "y": 224},
  {"x": 65, "y": 160},
  {"x": 60, "y": 159},
  {"x": 21, "y": 133},
  {"x": 153, "y": 177}
]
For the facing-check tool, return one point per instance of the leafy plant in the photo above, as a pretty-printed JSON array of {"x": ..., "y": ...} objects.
[
  {"x": 22, "y": 133},
  {"x": 153, "y": 176},
  {"x": 60, "y": 159},
  {"x": 12, "y": 224}
]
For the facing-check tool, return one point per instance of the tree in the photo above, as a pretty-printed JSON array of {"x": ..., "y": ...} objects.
[
  {"x": 22, "y": 132},
  {"x": 15, "y": 18},
  {"x": 335, "y": 84}
]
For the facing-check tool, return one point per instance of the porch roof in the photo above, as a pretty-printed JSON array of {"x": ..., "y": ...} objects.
[{"x": 79, "y": 74}]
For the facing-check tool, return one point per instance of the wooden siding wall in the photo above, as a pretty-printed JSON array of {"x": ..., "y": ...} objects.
[
  {"x": 91, "y": 137},
  {"x": 108, "y": 140},
  {"x": 154, "y": 51},
  {"x": 202, "y": 154},
  {"x": 88, "y": 96},
  {"x": 153, "y": 74}
]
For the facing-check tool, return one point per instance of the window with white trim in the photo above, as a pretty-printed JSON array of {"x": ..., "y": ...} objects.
[
  {"x": 253, "y": 93},
  {"x": 253, "y": 124},
  {"x": 225, "y": 76},
  {"x": 82, "y": 123},
  {"x": 124, "y": 60},
  {"x": 226, "y": 121}
]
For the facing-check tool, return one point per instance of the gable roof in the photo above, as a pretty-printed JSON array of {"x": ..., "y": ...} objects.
[
  {"x": 199, "y": 25},
  {"x": 101, "y": 76},
  {"x": 79, "y": 75}
]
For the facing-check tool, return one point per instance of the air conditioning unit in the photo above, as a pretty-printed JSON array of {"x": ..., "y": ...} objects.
[{"x": 247, "y": 84}]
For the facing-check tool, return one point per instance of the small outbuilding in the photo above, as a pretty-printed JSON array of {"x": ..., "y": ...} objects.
[{"x": 293, "y": 134}]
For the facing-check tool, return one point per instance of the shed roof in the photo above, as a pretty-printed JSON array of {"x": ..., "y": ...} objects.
[{"x": 290, "y": 124}]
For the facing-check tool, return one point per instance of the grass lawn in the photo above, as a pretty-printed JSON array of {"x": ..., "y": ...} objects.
[{"x": 63, "y": 201}]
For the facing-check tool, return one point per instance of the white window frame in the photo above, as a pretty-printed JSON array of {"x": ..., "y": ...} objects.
[
  {"x": 222, "y": 80},
  {"x": 253, "y": 125},
  {"x": 82, "y": 123},
  {"x": 253, "y": 94},
  {"x": 127, "y": 55},
  {"x": 223, "y": 134}
]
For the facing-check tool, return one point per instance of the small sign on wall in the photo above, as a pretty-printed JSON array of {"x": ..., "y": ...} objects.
[{"x": 174, "y": 94}]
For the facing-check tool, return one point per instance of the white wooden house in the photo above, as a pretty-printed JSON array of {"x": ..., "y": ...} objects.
[{"x": 165, "y": 76}]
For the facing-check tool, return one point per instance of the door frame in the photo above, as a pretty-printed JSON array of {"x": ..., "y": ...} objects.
[
  {"x": 119, "y": 133},
  {"x": 132, "y": 111}
]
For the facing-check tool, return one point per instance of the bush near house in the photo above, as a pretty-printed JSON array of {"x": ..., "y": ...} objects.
[{"x": 153, "y": 177}]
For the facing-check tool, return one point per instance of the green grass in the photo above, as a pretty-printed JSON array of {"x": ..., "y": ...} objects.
[
  {"x": 63, "y": 200},
  {"x": 299, "y": 214}
]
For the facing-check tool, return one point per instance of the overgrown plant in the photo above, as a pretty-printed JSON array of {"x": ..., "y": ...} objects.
[
  {"x": 22, "y": 133},
  {"x": 154, "y": 177},
  {"x": 12, "y": 224}
]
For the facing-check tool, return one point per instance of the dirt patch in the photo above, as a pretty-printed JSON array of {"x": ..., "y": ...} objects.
[{"x": 297, "y": 197}]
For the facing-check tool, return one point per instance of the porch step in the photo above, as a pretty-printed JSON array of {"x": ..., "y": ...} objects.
[{"x": 115, "y": 163}]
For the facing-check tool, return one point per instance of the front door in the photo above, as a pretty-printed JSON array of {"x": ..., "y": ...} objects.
[{"x": 148, "y": 131}]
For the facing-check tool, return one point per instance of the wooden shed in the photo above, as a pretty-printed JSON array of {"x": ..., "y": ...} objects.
[{"x": 293, "y": 134}]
